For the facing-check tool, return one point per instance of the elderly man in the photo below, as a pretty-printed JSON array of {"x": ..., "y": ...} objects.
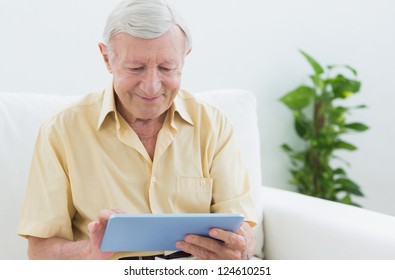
[{"x": 140, "y": 146}]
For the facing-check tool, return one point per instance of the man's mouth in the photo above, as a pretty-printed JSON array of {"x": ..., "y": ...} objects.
[{"x": 149, "y": 99}]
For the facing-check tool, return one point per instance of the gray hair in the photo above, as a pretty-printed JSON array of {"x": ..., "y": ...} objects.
[{"x": 146, "y": 19}]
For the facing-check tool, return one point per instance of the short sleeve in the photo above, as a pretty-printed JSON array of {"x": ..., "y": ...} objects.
[{"x": 47, "y": 209}]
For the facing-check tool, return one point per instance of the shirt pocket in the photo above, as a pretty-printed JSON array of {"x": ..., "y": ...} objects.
[{"x": 193, "y": 195}]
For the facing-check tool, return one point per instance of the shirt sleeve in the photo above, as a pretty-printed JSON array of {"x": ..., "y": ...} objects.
[
  {"x": 47, "y": 209},
  {"x": 231, "y": 185}
]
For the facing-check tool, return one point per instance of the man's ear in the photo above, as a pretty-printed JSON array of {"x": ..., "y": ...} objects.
[{"x": 106, "y": 57}]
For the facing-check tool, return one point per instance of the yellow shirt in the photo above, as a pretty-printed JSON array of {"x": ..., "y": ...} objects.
[{"x": 88, "y": 158}]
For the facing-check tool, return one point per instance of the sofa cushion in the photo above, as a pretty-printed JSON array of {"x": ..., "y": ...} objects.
[
  {"x": 241, "y": 109},
  {"x": 21, "y": 114}
]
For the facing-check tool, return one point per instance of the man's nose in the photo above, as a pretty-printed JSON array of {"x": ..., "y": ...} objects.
[{"x": 151, "y": 82}]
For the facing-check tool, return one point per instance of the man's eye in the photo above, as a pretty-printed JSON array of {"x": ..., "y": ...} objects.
[
  {"x": 136, "y": 69},
  {"x": 165, "y": 69}
]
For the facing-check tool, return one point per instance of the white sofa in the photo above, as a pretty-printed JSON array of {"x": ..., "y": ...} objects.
[{"x": 294, "y": 226}]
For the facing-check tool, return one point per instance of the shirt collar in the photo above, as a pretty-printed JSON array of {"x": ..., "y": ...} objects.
[
  {"x": 108, "y": 105},
  {"x": 179, "y": 107}
]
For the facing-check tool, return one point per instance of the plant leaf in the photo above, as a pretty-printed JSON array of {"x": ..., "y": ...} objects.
[
  {"x": 349, "y": 186},
  {"x": 345, "y": 162},
  {"x": 344, "y": 145},
  {"x": 356, "y": 204},
  {"x": 356, "y": 126},
  {"x": 298, "y": 98},
  {"x": 362, "y": 106},
  {"x": 317, "y": 68},
  {"x": 346, "y": 199},
  {"x": 302, "y": 125},
  {"x": 343, "y": 87},
  {"x": 351, "y": 69},
  {"x": 339, "y": 171},
  {"x": 317, "y": 81},
  {"x": 286, "y": 148},
  {"x": 343, "y": 66}
]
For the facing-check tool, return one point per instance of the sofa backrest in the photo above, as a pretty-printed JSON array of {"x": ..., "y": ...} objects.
[{"x": 21, "y": 115}]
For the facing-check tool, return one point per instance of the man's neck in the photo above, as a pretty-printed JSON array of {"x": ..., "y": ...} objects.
[{"x": 146, "y": 129}]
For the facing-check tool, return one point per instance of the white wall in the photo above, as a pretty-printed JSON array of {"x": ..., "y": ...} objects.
[{"x": 51, "y": 46}]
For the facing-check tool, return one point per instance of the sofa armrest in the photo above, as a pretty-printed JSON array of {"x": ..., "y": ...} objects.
[{"x": 297, "y": 226}]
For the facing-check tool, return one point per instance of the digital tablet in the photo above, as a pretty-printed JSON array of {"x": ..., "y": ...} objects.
[{"x": 160, "y": 232}]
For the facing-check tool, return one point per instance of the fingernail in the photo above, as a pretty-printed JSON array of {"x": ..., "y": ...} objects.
[{"x": 214, "y": 233}]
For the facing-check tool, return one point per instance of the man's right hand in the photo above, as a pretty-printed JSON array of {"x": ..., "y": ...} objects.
[{"x": 96, "y": 233}]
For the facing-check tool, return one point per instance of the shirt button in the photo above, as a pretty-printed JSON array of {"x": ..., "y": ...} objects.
[
  {"x": 153, "y": 179},
  {"x": 202, "y": 182}
]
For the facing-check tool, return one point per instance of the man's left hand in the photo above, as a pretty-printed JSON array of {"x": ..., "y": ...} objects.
[{"x": 228, "y": 246}]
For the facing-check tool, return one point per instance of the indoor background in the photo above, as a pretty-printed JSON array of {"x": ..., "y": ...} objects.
[{"x": 50, "y": 46}]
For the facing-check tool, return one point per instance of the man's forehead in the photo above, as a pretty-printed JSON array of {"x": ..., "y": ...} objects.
[
  {"x": 144, "y": 55},
  {"x": 133, "y": 48}
]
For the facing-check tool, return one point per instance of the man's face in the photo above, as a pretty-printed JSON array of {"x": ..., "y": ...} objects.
[{"x": 146, "y": 73}]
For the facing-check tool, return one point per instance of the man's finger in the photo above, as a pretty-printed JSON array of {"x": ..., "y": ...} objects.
[
  {"x": 196, "y": 251},
  {"x": 233, "y": 239},
  {"x": 105, "y": 214},
  {"x": 208, "y": 243}
]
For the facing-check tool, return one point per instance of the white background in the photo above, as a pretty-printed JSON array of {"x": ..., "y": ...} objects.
[
  {"x": 50, "y": 46},
  {"x": 195, "y": 269}
]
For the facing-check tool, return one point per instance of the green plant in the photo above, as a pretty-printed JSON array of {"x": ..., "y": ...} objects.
[{"x": 321, "y": 122}]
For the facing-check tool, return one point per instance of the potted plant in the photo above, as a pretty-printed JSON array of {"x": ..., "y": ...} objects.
[{"x": 320, "y": 121}]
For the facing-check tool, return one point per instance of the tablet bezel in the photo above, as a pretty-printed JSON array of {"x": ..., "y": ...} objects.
[{"x": 160, "y": 232}]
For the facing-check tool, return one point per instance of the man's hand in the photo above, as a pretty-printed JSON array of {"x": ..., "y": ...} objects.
[
  {"x": 229, "y": 246},
  {"x": 96, "y": 233}
]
